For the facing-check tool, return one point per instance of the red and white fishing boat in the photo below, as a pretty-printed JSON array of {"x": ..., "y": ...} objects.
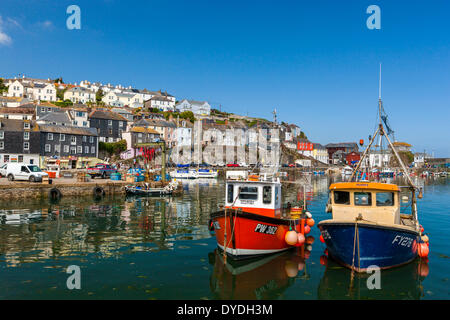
[{"x": 252, "y": 222}]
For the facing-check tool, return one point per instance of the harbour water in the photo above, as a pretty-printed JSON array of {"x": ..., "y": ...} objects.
[{"x": 139, "y": 248}]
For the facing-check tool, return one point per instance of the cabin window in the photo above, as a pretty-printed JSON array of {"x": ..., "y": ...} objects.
[
  {"x": 267, "y": 194},
  {"x": 363, "y": 199},
  {"x": 230, "y": 193},
  {"x": 385, "y": 199},
  {"x": 341, "y": 197},
  {"x": 248, "y": 193}
]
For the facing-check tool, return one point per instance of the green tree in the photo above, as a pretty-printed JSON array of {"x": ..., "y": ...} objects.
[
  {"x": 3, "y": 87},
  {"x": 99, "y": 95}
]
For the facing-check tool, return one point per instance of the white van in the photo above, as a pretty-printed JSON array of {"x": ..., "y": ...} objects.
[{"x": 24, "y": 171}]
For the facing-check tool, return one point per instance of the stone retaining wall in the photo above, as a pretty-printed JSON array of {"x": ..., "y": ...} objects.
[{"x": 28, "y": 190}]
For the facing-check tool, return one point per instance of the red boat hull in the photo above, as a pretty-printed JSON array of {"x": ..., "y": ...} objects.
[{"x": 245, "y": 235}]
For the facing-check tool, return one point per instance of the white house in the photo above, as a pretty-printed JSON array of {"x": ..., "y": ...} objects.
[
  {"x": 79, "y": 95},
  {"x": 79, "y": 117},
  {"x": 160, "y": 102},
  {"x": 115, "y": 99},
  {"x": 31, "y": 90},
  {"x": 197, "y": 107}
]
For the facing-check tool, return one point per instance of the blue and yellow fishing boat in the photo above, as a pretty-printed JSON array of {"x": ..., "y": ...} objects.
[{"x": 367, "y": 228}]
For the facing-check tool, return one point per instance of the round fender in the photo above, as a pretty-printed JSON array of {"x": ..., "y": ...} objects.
[
  {"x": 54, "y": 194},
  {"x": 98, "y": 192}
]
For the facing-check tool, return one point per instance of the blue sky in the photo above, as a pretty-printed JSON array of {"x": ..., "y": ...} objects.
[{"x": 316, "y": 62}]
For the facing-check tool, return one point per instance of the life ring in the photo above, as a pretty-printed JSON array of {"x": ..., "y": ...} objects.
[
  {"x": 54, "y": 194},
  {"x": 98, "y": 192}
]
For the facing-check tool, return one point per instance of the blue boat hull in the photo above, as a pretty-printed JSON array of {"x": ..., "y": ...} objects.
[{"x": 382, "y": 246}]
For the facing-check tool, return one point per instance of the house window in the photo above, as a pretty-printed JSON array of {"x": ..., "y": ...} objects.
[
  {"x": 62, "y": 137},
  {"x": 20, "y": 158},
  {"x": 73, "y": 139},
  {"x": 86, "y": 149},
  {"x": 66, "y": 149},
  {"x": 6, "y": 156},
  {"x": 79, "y": 149},
  {"x": 2, "y": 145},
  {"x": 26, "y": 146},
  {"x": 110, "y": 123},
  {"x": 92, "y": 149},
  {"x": 2, "y": 134},
  {"x": 120, "y": 124},
  {"x": 26, "y": 135},
  {"x": 84, "y": 138},
  {"x": 73, "y": 150},
  {"x": 110, "y": 131},
  {"x": 58, "y": 148},
  {"x": 91, "y": 139},
  {"x": 50, "y": 136},
  {"x": 26, "y": 125},
  {"x": 48, "y": 148}
]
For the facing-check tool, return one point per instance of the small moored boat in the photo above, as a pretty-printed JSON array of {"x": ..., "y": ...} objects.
[
  {"x": 367, "y": 227},
  {"x": 251, "y": 223}
]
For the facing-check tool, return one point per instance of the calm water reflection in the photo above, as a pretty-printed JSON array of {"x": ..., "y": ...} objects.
[{"x": 139, "y": 248}]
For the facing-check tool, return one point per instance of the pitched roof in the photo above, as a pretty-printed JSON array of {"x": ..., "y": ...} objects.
[
  {"x": 13, "y": 124},
  {"x": 68, "y": 130},
  {"x": 23, "y": 109},
  {"x": 144, "y": 130},
  {"x": 403, "y": 144},
  {"x": 106, "y": 114},
  {"x": 61, "y": 117}
]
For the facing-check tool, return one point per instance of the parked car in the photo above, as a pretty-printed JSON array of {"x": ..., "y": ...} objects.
[
  {"x": 3, "y": 170},
  {"x": 101, "y": 170},
  {"x": 24, "y": 171},
  {"x": 291, "y": 165},
  {"x": 232, "y": 165}
]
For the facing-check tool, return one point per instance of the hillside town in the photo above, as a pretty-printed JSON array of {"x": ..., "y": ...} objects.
[{"x": 50, "y": 123}]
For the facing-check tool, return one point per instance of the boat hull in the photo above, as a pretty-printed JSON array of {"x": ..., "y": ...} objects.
[
  {"x": 250, "y": 235},
  {"x": 382, "y": 246},
  {"x": 148, "y": 193}
]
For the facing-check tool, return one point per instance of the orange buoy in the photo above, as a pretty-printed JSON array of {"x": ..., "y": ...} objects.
[
  {"x": 310, "y": 240},
  {"x": 322, "y": 239},
  {"x": 310, "y": 222},
  {"x": 423, "y": 250},
  {"x": 300, "y": 239},
  {"x": 307, "y": 229},
  {"x": 421, "y": 229},
  {"x": 423, "y": 269},
  {"x": 323, "y": 260},
  {"x": 425, "y": 238},
  {"x": 325, "y": 251},
  {"x": 291, "y": 237},
  {"x": 291, "y": 269}
]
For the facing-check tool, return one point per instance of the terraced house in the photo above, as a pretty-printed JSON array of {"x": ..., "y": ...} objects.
[
  {"x": 19, "y": 141},
  {"x": 62, "y": 141},
  {"x": 109, "y": 125},
  {"x": 79, "y": 95}
]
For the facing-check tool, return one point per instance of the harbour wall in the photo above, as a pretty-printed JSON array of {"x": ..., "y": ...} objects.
[{"x": 26, "y": 190}]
